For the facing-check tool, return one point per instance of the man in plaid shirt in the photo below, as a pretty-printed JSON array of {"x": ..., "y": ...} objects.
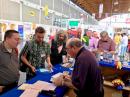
[{"x": 35, "y": 52}]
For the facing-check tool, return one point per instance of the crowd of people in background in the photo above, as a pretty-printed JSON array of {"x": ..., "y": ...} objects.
[
  {"x": 121, "y": 40},
  {"x": 119, "y": 43}
]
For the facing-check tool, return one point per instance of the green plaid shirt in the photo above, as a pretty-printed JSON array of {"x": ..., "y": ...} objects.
[{"x": 36, "y": 53}]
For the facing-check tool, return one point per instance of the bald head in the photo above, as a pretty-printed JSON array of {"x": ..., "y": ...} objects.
[
  {"x": 74, "y": 42},
  {"x": 73, "y": 45}
]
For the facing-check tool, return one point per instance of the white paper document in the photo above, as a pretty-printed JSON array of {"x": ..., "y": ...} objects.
[
  {"x": 42, "y": 85},
  {"x": 44, "y": 70},
  {"x": 22, "y": 78},
  {"x": 24, "y": 86},
  {"x": 30, "y": 93}
]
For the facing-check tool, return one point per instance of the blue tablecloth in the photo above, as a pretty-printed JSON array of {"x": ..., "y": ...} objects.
[
  {"x": 45, "y": 76},
  {"x": 112, "y": 64}
]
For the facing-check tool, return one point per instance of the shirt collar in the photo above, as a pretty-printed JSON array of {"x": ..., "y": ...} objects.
[
  {"x": 39, "y": 44},
  {"x": 7, "y": 47},
  {"x": 106, "y": 40},
  {"x": 79, "y": 52},
  {"x": 3, "y": 47}
]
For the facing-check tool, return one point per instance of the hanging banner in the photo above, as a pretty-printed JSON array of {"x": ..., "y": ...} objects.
[
  {"x": 12, "y": 26},
  {"x": 20, "y": 30},
  {"x": 4, "y": 27},
  {"x": 93, "y": 15},
  {"x": 33, "y": 26},
  {"x": 46, "y": 10},
  {"x": 101, "y": 8}
]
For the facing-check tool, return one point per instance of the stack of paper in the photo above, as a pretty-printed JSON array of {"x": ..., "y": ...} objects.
[
  {"x": 67, "y": 65},
  {"x": 42, "y": 85},
  {"x": 30, "y": 93},
  {"x": 32, "y": 90},
  {"x": 24, "y": 86}
]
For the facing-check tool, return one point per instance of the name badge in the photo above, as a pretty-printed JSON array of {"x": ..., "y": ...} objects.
[{"x": 42, "y": 55}]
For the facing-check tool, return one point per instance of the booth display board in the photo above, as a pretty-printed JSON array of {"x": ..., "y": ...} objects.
[{"x": 20, "y": 30}]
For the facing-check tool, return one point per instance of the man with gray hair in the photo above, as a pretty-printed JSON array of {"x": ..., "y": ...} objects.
[
  {"x": 86, "y": 77},
  {"x": 106, "y": 43}
]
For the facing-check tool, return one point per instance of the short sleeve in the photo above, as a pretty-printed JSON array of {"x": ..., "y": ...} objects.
[
  {"x": 47, "y": 49},
  {"x": 25, "y": 50},
  {"x": 112, "y": 46}
]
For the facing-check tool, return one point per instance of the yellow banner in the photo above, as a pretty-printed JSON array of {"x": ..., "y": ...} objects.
[
  {"x": 4, "y": 27},
  {"x": 33, "y": 26},
  {"x": 12, "y": 26},
  {"x": 46, "y": 10}
]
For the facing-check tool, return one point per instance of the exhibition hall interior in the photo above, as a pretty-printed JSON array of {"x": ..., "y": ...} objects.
[{"x": 64, "y": 48}]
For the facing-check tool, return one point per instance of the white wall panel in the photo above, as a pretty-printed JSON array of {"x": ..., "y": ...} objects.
[
  {"x": 9, "y": 10},
  {"x": 27, "y": 17}
]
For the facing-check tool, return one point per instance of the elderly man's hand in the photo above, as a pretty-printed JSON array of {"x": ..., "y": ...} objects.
[
  {"x": 67, "y": 78},
  {"x": 58, "y": 81}
]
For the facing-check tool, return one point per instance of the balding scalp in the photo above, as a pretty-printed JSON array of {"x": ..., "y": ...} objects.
[{"x": 74, "y": 42}]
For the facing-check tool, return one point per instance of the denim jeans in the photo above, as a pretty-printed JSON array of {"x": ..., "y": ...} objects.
[{"x": 123, "y": 50}]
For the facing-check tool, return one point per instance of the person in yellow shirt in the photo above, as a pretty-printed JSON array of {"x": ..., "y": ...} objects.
[{"x": 117, "y": 40}]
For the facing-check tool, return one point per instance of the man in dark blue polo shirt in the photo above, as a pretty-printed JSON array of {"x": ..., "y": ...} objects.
[{"x": 86, "y": 78}]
